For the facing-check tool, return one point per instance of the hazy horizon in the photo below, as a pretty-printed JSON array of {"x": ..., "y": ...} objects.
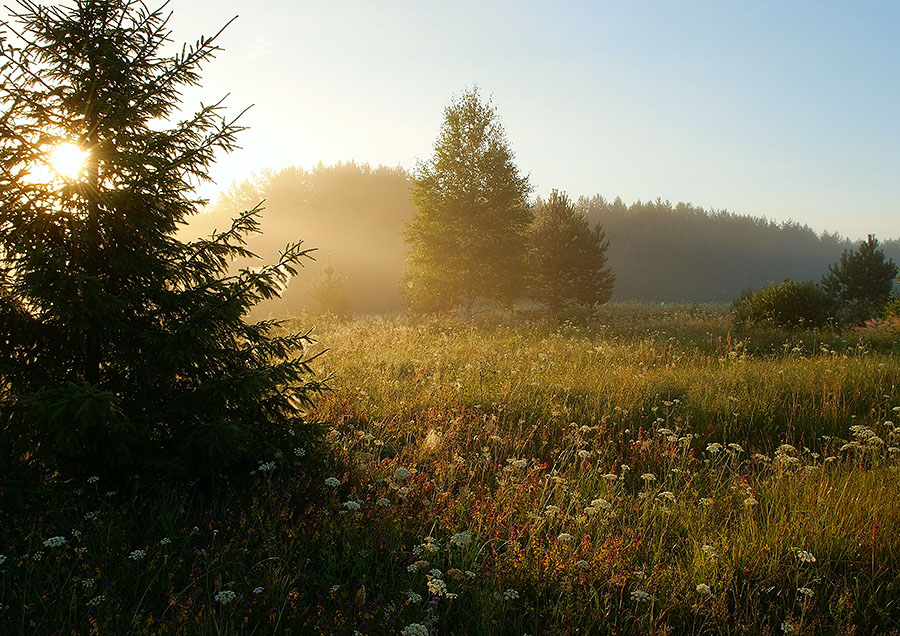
[{"x": 786, "y": 112}]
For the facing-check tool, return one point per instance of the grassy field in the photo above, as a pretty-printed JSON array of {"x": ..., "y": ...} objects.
[{"x": 642, "y": 471}]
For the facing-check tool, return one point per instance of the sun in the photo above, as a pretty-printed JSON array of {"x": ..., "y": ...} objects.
[{"x": 68, "y": 160}]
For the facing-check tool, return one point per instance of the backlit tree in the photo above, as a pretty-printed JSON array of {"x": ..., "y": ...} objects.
[{"x": 123, "y": 348}]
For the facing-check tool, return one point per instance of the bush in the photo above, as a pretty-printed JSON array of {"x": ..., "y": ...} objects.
[{"x": 790, "y": 304}]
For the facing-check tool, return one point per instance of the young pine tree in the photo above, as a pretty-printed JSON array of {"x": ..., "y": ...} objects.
[
  {"x": 468, "y": 238},
  {"x": 862, "y": 281},
  {"x": 568, "y": 257},
  {"x": 123, "y": 348}
]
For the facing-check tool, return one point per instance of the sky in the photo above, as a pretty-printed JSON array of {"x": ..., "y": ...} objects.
[{"x": 788, "y": 110}]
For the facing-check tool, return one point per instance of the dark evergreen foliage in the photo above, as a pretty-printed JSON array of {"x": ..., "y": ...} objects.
[
  {"x": 122, "y": 347},
  {"x": 568, "y": 257},
  {"x": 862, "y": 281}
]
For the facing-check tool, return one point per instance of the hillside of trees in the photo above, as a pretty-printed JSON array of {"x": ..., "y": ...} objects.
[{"x": 355, "y": 216}]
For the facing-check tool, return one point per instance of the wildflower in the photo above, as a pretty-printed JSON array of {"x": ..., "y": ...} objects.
[
  {"x": 565, "y": 537},
  {"x": 706, "y": 501},
  {"x": 665, "y": 431},
  {"x": 54, "y": 542},
  {"x": 709, "y": 551},
  {"x": 750, "y": 501},
  {"x": 461, "y": 538},
  {"x": 87, "y": 583},
  {"x": 582, "y": 564},
  {"x": 788, "y": 628},
  {"x": 414, "y": 629},
  {"x": 517, "y": 463},
  {"x": 90, "y": 516},
  {"x": 384, "y": 503},
  {"x": 805, "y": 557},
  {"x": 510, "y": 594},
  {"x": 437, "y": 587},
  {"x": 436, "y": 574},
  {"x": 470, "y": 574},
  {"x": 335, "y": 588},
  {"x": 703, "y": 589},
  {"x": 600, "y": 503},
  {"x": 112, "y": 493},
  {"x": 413, "y": 597},
  {"x": 786, "y": 449},
  {"x": 257, "y": 590},
  {"x": 451, "y": 595},
  {"x": 805, "y": 591},
  {"x": 713, "y": 448},
  {"x": 94, "y": 602},
  {"x": 2, "y": 559},
  {"x": 332, "y": 482},
  {"x": 165, "y": 541},
  {"x": 80, "y": 550},
  {"x": 648, "y": 477},
  {"x": 401, "y": 473},
  {"x": 759, "y": 457},
  {"x": 93, "y": 480},
  {"x": 611, "y": 477},
  {"x": 264, "y": 468},
  {"x": 37, "y": 556},
  {"x": 584, "y": 454},
  {"x": 551, "y": 511},
  {"x": 352, "y": 506},
  {"x": 640, "y": 596},
  {"x": 667, "y": 495},
  {"x": 300, "y": 452},
  {"x": 137, "y": 555},
  {"x": 737, "y": 448},
  {"x": 76, "y": 533},
  {"x": 225, "y": 596}
]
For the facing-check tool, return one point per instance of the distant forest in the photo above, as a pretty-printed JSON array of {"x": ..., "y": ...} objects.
[{"x": 659, "y": 251}]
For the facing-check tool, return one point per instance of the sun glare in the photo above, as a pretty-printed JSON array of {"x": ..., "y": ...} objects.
[{"x": 68, "y": 160}]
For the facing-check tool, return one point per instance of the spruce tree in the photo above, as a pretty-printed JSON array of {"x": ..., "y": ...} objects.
[
  {"x": 568, "y": 257},
  {"x": 123, "y": 348},
  {"x": 468, "y": 239}
]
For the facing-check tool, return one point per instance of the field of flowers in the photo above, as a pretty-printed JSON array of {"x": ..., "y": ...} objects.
[{"x": 643, "y": 471}]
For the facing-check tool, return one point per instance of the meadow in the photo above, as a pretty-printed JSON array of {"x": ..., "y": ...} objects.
[{"x": 645, "y": 469}]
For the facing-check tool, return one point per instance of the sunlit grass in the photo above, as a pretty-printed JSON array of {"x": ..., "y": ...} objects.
[{"x": 648, "y": 473}]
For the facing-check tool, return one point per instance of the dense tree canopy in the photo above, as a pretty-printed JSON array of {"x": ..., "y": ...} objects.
[
  {"x": 862, "y": 281},
  {"x": 568, "y": 256},
  {"x": 123, "y": 348},
  {"x": 468, "y": 235}
]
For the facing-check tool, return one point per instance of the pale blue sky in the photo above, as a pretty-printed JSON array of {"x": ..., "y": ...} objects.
[{"x": 789, "y": 110}]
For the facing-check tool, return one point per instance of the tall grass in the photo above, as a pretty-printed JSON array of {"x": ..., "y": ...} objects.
[{"x": 644, "y": 471}]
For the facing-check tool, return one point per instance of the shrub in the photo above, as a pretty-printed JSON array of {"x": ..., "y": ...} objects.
[{"x": 790, "y": 304}]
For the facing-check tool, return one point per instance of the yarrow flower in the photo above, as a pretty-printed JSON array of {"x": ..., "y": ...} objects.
[
  {"x": 805, "y": 591},
  {"x": 2, "y": 559},
  {"x": 648, "y": 477},
  {"x": 352, "y": 506},
  {"x": 805, "y": 557},
  {"x": 737, "y": 448},
  {"x": 401, "y": 473},
  {"x": 564, "y": 537},
  {"x": 437, "y": 586},
  {"x": 96, "y": 600},
  {"x": 87, "y": 583},
  {"x": 225, "y": 596},
  {"x": 713, "y": 448},
  {"x": 257, "y": 590},
  {"x": 551, "y": 511},
  {"x": 137, "y": 555},
  {"x": 510, "y": 594},
  {"x": 384, "y": 503},
  {"x": 300, "y": 452},
  {"x": 165, "y": 541},
  {"x": 332, "y": 482},
  {"x": 413, "y": 597},
  {"x": 266, "y": 467},
  {"x": 709, "y": 551},
  {"x": 640, "y": 596},
  {"x": 54, "y": 542},
  {"x": 461, "y": 538},
  {"x": 704, "y": 589},
  {"x": 93, "y": 480},
  {"x": 517, "y": 463},
  {"x": 414, "y": 629},
  {"x": 582, "y": 564},
  {"x": 750, "y": 501}
]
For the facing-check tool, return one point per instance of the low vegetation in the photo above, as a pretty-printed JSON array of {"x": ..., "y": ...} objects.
[{"x": 641, "y": 470}]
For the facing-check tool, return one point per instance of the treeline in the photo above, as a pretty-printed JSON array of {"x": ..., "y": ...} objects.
[
  {"x": 666, "y": 252},
  {"x": 659, "y": 251}
]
